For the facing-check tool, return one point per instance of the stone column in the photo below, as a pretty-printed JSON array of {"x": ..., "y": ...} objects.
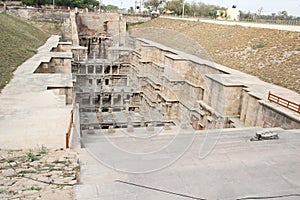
[
  {"x": 126, "y": 105},
  {"x": 130, "y": 101},
  {"x": 86, "y": 55},
  {"x": 122, "y": 97},
  {"x": 94, "y": 56},
  {"x": 101, "y": 101},
  {"x": 168, "y": 110},
  {"x": 112, "y": 98},
  {"x": 91, "y": 98}
]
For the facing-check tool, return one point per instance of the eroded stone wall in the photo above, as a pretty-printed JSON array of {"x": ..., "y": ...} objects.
[
  {"x": 111, "y": 24},
  {"x": 207, "y": 95},
  {"x": 271, "y": 118},
  {"x": 181, "y": 87},
  {"x": 36, "y": 14}
]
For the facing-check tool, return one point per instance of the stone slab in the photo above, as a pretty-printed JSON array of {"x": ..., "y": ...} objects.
[
  {"x": 31, "y": 115},
  {"x": 220, "y": 164}
]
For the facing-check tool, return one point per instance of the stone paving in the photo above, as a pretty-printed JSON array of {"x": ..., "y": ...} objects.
[
  {"x": 219, "y": 164},
  {"x": 31, "y": 115},
  {"x": 35, "y": 120}
]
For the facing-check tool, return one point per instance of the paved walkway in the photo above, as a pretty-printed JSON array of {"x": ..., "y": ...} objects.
[
  {"x": 246, "y": 24},
  {"x": 224, "y": 164},
  {"x": 31, "y": 115}
]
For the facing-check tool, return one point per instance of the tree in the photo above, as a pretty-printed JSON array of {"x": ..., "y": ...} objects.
[
  {"x": 284, "y": 14},
  {"x": 273, "y": 15},
  {"x": 197, "y": 9},
  {"x": 260, "y": 11},
  {"x": 187, "y": 9},
  {"x": 131, "y": 10},
  {"x": 66, "y": 3},
  {"x": 153, "y": 3},
  {"x": 213, "y": 14},
  {"x": 109, "y": 7},
  {"x": 175, "y": 5},
  {"x": 194, "y": 9},
  {"x": 247, "y": 16}
]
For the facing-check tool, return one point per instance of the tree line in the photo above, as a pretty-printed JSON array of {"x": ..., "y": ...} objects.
[
  {"x": 195, "y": 9},
  {"x": 177, "y": 7},
  {"x": 200, "y": 9},
  {"x": 63, "y": 3}
]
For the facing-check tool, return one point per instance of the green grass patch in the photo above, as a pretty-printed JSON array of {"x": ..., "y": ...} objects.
[
  {"x": 35, "y": 188},
  {"x": 60, "y": 162},
  {"x": 17, "y": 159},
  {"x": 2, "y": 191},
  {"x": 128, "y": 25},
  {"x": 260, "y": 45},
  {"x": 31, "y": 156},
  {"x": 43, "y": 150},
  {"x": 19, "y": 41},
  {"x": 27, "y": 172}
]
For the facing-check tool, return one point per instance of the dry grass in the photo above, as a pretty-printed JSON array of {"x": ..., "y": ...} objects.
[{"x": 271, "y": 55}]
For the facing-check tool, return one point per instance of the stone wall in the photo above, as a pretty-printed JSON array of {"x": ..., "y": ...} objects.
[
  {"x": 275, "y": 118},
  {"x": 110, "y": 23},
  {"x": 232, "y": 101},
  {"x": 185, "y": 88},
  {"x": 48, "y": 15},
  {"x": 132, "y": 19},
  {"x": 63, "y": 47},
  {"x": 152, "y": 53},
  {"x": 208, "y": 95},
  {"x": 251, "y": 110}
]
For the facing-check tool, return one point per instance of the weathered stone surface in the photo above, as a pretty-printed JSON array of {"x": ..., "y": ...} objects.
[
  {"x": 8, "y": 172},
  {"x": 38, "y": 179},
  {"x": 10, "y": 182}
]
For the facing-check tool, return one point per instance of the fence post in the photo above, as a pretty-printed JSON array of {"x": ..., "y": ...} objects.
[
  {"x": 69, "y": 129},
  {"x": 284, "y": 102},
  {"x": 67, "y": 140}
]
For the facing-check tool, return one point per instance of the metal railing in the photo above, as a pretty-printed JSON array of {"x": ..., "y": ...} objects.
[
  {"x": 68, "y": 134},
  {"x": 284, "y": 102}
]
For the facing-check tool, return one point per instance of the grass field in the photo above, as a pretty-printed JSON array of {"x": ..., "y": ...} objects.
[{"x": 19, "y": 41}]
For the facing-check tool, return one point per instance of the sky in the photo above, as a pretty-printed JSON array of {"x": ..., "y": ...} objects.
[{"x": 269, "y": 6}]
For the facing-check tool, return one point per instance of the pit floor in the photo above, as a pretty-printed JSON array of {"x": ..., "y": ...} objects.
[{"x": 183, "y": 164}]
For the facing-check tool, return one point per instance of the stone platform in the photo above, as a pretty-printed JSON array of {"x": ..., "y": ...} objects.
[
  {"x": 216, "y": 164},
  {"x": 31, "y": 115}
]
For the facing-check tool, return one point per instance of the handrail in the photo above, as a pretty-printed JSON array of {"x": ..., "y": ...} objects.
[
  {"x": 284, "y": 102},
  {"x": 68, "y": 133},
  {"x": 69, "y": 130}
]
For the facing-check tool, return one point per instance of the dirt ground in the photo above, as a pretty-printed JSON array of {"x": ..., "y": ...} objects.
[
  {"x": 271, "y": 55},
  {"x": 38, "y": 174}
]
